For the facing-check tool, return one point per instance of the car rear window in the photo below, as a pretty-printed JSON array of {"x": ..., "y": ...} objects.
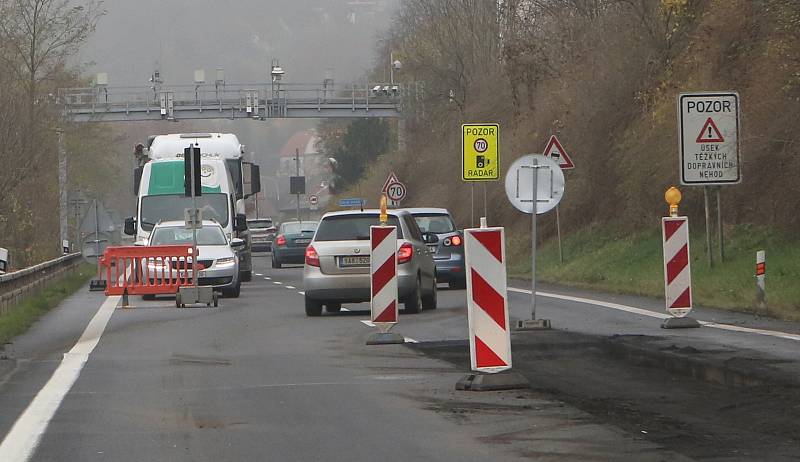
[
  {"x": 297, "y": 228},
  {"x": 435, "y": 223},
  {"x": 351, "y": 227}
]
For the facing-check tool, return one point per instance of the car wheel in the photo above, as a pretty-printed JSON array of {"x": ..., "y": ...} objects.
[
  {"x": 275, "y": 262},
  {"x": 313, "y": 307},
  {"x": 246, "y": 276},
  {"x": 333, "y": 307},
  {"x": 234, "y": 291},
  {"x": 431, "y": 301},
  {"x": 414, "y": 304}
]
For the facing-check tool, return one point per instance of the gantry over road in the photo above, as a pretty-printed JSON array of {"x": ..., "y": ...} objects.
[{"x": 257, "y": 101}]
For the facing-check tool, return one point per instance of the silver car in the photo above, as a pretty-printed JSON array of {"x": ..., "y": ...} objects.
[
  {"x": 215, "y": 254},
  {"x": 337, "y": 262}
]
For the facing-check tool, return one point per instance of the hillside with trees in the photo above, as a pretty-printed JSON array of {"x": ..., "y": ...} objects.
[{"x": 604, "y": 76}]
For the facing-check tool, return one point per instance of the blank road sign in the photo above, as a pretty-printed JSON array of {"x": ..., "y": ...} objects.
[
  {"x": 479, "y": 152},
  {"x": 709, "y": 138}
]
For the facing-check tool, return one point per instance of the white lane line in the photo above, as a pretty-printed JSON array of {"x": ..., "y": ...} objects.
[
  {"x": 411, "y": 340},
  {"x": 293, "y": 287},
  {"x": 372, "y": 324},
  {"x": 303, "y": 293},
  {"x": 267, "y": 278},
  {"x": 20, "y": 443},
  {"x": 259, "y": 274},
  {"x": 652, "y": 314},
  {"x": 280, "y": 283},
  {"x": 345, "y": 309}
]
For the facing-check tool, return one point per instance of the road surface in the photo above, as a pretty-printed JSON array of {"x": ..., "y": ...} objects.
[{"x": 258, "y": 380}]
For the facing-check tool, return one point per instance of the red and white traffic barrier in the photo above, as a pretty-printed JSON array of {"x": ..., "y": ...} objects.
[
  {"x": 677, "y": 269},
  {"x": 487, "y": 299},
  {"x": 383, "y": 276}
]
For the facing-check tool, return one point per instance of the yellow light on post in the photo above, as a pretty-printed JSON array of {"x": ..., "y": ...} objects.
[
  {"x": 673, "y": 198},
  {"x": 384, "y": 206}
]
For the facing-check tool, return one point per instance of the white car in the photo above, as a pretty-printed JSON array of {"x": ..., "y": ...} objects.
[{"x": 219, "y": 260}]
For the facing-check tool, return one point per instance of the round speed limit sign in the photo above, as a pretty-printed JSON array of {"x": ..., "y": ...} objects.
[
  {"x": 481, "y": 145},
  {"x": 396, "y": 191}
]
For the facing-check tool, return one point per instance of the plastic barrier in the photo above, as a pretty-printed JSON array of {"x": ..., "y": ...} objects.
[{"x": 147, "y": 270}]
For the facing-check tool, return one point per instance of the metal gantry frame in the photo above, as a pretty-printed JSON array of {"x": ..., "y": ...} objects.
[{"x": 237, "y": 101}]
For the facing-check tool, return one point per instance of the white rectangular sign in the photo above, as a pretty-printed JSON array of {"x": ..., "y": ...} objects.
[{"x": 708, "y": 132}]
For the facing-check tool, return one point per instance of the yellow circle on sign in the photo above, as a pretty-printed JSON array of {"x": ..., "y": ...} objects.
[{"x": 480, "y": 160}]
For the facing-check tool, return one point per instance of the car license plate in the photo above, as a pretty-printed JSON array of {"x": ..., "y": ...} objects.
[
  {"x": 302, "y": 241},
  {"x": 354, "y": 261},
  {"x": 432, "y": 248}
]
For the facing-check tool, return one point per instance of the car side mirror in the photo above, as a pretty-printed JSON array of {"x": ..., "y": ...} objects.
[
  {"x": 237, "y": 243},
  {"x": 130, "y": 226},
  {"x": 240, "y": 223},
  {"x": 430, "y": 238}
]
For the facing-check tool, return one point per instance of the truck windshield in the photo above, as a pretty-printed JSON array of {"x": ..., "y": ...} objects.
[
  {"x": 235, "y": 167},
  {"x": 214, "y": 206}
]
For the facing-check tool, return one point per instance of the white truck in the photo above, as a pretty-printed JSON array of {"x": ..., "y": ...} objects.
[{"x": 220, "y": 153}]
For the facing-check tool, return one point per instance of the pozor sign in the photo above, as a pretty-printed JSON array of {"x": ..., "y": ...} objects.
[{"x": 709, "y": 138}]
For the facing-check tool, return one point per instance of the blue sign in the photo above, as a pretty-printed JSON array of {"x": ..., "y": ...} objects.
[{"x": 355, "y": 202}]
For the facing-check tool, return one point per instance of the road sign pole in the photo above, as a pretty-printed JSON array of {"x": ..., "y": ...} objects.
[
  {"x": 720, "y": 235},
  {"x": 558, "y": 233},
  {"x": 472, "y": 205},
  {"x": 710, "y": 251},
  {"x": 761, "y": 274},
  {"x": 534, "y": 197},
  {"x": 485, "y": 208}
]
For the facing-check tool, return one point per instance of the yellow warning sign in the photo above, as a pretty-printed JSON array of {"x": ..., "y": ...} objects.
[{"x": 479, "y": 152}]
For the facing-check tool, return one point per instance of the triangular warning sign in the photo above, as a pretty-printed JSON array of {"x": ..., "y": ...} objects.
[
  {"x": 392, "y": 178},
  {"x": 710, "y": 133},
  {"x": 558, "y": 153}
]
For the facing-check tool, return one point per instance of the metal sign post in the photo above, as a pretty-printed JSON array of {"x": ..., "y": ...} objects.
[
  {"x": 546, "y": 182},
  {"x": 556, "y": 151}
]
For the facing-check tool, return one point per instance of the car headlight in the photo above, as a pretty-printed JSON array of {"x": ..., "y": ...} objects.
[{"x": 226, "y": 262}]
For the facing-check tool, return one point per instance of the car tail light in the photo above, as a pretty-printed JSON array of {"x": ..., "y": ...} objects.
[
  {"x": 404, "y": 253},
  {"x": 454, "y": 241},
  {"x": 312, "y": 258},
  {"x": 281, "y": 240}
]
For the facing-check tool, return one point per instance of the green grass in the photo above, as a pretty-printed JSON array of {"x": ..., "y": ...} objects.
[
  {"x": 595, "y": 258},
  {"x": 21, "y": 316}
]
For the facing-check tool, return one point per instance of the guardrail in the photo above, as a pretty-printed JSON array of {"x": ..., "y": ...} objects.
[{"x": 15, "y": 286}]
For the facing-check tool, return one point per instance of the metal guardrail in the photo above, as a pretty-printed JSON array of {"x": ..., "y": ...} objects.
[{"x": 19, "y": 284}]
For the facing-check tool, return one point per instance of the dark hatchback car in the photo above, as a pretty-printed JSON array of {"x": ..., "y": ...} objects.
[
  {"x": 448, "y": 251},
  {"x": 291, "y": 241}
]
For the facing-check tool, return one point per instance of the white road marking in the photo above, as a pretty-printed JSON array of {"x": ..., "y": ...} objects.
[
  {"x": 411, "y": 340},
  {"x": 653, "y": 314},
  {"x": 259, "y": 274},
  {"x": 21, "y": 442},
  {"x": 301, "y": 292},
  {"x": 370, "y": 323},
  {"x": 292, "y": 287},
  {"x": 280, "y": 283},
  {"x": 345, "y": 309},
  {"x": 267, "y": 278}
]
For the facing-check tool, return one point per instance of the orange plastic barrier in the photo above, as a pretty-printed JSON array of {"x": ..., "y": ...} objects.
[{"x": 137, "y": 270}]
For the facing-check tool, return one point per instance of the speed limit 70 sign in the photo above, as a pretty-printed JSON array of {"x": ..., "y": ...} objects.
[{"x": 396, "y": 191}]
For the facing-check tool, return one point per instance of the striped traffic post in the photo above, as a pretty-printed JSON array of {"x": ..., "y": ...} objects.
[
  {"x": 383, "y": 284},
  {"x": 487, "y": 312},
  {"x": 677, "y": 266}
]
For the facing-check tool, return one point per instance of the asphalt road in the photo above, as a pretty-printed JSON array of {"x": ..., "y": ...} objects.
[{"x": 258, "y": 380}]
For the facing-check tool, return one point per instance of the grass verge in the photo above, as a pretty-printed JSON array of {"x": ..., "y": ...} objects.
[
  {"x": 595, "y": 258},
  {"x": 21, "y": 316}
]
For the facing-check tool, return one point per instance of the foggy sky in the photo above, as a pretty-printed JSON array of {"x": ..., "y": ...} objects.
[{"x": 242, "y": 36}]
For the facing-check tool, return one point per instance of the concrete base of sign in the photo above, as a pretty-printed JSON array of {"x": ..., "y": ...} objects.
[
  {"x": 385, "y": 338},
  {"x": 680, "y": 323},
  {"x": 97, "y": 285},
  {"x": 533, "y": 324},
  {"x": 508, "y": 380},
  {"x": 188, "y": 295}
]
